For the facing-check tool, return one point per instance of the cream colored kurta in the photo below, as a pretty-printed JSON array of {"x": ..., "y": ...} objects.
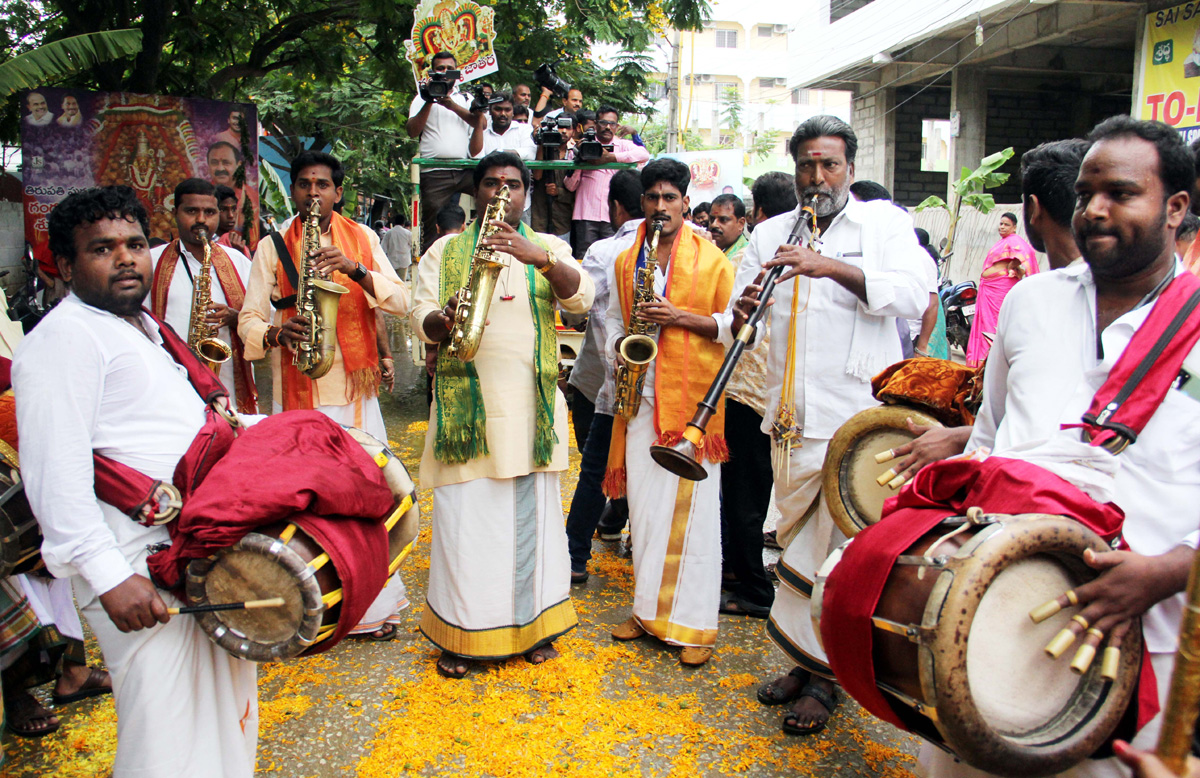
[
  {"x": 391, "y": 294},
  {"x": 506, "y": 371}
]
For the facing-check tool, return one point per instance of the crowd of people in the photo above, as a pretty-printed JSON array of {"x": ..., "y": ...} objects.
[{"x": 856, "y": 292}]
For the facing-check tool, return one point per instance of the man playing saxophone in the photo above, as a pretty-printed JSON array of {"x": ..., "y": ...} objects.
[
  {"x": 674, "y": 523},
  {"x": 499, "y": 572},
  {"x": 176, "y": 268},
  {"x": 349, "y": 254}
]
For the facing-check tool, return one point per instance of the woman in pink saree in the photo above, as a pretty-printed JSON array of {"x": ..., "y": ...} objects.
[{"x": 1008, "y": 262}]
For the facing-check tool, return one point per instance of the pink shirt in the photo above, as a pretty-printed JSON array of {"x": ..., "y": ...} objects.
[{"x": 591, "y": 186}]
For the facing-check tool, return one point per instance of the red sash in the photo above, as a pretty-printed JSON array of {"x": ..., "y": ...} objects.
[
  {"x": 356, "y": 318},
  {"x": 235, "y": 295},
  {"x": 1133, "y": 392}
]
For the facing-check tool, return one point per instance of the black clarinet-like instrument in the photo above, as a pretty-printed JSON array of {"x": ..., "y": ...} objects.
[{"x": 683, "y": 458}]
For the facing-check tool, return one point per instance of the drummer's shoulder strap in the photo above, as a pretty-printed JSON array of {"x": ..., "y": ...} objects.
[{"x": 1151, "y": 365}]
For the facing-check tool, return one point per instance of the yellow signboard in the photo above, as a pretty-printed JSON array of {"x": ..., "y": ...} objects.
[{"x": 1170, "y": 88}]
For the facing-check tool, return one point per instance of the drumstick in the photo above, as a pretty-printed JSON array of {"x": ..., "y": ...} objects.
[{"x": 274, "y": 602}]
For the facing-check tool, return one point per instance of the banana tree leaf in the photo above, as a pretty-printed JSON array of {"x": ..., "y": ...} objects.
[
  {"x": 57, "y": 60},
  {"x": 980, "y": 201},
  {"x": 933, "y": 201}
]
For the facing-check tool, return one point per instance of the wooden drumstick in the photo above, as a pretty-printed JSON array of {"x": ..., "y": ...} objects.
[
  {"x": 885, "y": 456},
  {"x": 274, "y": 602}
]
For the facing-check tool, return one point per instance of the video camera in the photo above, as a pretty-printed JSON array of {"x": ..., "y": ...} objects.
[
  {"x": 548, "y": 79},
  {"x": 439, "y": 85},
  {"x": 590, "y": 149},
  {"x": 550, "y": 132}
]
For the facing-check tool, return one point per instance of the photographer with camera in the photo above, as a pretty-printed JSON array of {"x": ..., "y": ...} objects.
[
  {"x": 553, "y": 85},
  {"x": 598, "y": 145},
  {"x": 553, "y": 203},
  {"x": 443, "y": 118},
  {"x": 504, "y": 134}
]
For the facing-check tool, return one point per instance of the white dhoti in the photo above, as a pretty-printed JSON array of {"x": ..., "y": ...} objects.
[
  {"x": 675, "y": 533},
  {"x": 364, "y": 414},
  {"x": 936, "y": 763},
  {"x": 807, "y": 533},
  {"x": 54, "y": 603},
  {"x": 499, "y": 572},
  {"x": 185, "y": 708}
]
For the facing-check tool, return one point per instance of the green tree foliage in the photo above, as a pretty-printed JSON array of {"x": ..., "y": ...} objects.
[{"x": 334, "y": 70}]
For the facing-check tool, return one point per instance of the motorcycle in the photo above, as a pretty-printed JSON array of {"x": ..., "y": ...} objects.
[
  {"x": 958, "y": 304},
  {"x": 24, "y": 305}
]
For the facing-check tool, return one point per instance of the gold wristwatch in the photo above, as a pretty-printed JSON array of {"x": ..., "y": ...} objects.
[{"x": 550, "y": 263}]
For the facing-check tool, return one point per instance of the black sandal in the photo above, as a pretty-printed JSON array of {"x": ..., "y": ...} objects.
[
  {"x": 452, "y": 663},
  {"x": 22, "y": 709},
  {"x": 770, "y": 694},
  {"x": 827, "y": 699}
]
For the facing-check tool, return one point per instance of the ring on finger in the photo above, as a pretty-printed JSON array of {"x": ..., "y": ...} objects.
[{"x": 1081, "y": 621}]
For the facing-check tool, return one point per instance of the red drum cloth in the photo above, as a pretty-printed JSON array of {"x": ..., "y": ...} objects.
[
  {"x": 298, "y": 466},
  {"x": 941, "y": 490}
]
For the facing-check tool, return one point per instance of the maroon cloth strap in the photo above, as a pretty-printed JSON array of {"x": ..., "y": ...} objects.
[
  {"x": 129, "y": 489},
  {"x": 297, "y": 466},
  {"x": 1147, "y": 368}
]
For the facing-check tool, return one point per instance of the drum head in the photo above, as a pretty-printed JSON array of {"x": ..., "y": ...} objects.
[
  {"x": 259, "y": 567},
  {"x": 1002, "y": 704},
  {"x": 854, "y": 497}
]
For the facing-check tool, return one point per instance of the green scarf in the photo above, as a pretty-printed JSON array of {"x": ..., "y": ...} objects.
[
  {"x": 737, "y": 246},
  {"x": 461, "y": 419}
]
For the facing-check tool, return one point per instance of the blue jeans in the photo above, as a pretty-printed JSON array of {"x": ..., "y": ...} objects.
[{"x": 588, "y": 501}]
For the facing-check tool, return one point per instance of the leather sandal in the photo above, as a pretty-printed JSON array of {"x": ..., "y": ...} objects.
[
  {"x": 630, "y": 629},
  {"x": 694, "y": 656},
  {"x": 93, "y": 686},
  {"x": 772, "y": 693},
  {"x": 828, "y": 700}
]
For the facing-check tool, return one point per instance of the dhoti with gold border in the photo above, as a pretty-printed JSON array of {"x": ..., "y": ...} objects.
[
  {"x": 499, "y": 571},
  {"x": 675, "y": 532}
]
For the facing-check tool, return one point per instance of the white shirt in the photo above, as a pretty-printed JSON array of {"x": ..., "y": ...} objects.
[
  {"x": 445, "y": 136},
  {"x": 87, "y": 380},
  {"x": 592, "y": 374},
  {"x": 179, "y": 299},
  {"x": 516, "y": 138},
  {"x": 397, "y": 244},
  {"x": 825, "y": 394},
  {"x": 914, "y": 325},
  {"x": 1043, "y": 371}
]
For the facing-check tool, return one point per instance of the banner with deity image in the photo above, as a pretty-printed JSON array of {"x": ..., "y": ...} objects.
[
  {"x": 713, "y": 172},
  {"x": 72, "y": 140},
  {"x": 461, "y": 27}
]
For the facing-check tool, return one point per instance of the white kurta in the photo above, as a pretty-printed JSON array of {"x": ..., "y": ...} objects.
[
  {"x": 1042, "y": 372},
  {"x": 179, "y": 299},
  {"x": 88, "y": 380},
  {"x": 878, "y": 238},
  {"x": 499, "y": 571}
]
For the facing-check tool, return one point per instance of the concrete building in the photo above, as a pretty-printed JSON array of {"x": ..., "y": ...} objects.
[
  {"x": 742, "y": 56},
  {"x": 938, "y": 85}
]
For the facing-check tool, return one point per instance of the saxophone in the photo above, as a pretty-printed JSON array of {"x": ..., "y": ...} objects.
[
  {"x": 639, "y": 348},
  {"x": 317, "y": 299},
  {"x": 202, "y": 336},
  {"x": 475, "y": 298}
]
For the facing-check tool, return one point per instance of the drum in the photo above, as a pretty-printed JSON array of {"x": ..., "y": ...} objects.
[
  {"x": 955, "y": 648},
  {"x": 280, "y": 560},
  {"x": 851, "y": 473},
  {"x": 20, "y": 537}
]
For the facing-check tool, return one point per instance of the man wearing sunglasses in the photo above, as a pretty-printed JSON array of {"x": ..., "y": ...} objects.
[{"x": 590, "y": 185}]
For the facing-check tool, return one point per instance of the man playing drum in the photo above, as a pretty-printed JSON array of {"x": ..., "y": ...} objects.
[
  {"x": 868, "y": 271},
  {"x": 1058, "y": 337},
  {"x": 499, "y": 571},
  {"x": 94, "y": 376}
]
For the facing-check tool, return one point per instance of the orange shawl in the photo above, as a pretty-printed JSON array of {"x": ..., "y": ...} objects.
[
  {"x": 235, "y": 297},
  {"x": 699, "y": 281},
  {"x": 355, "y": 320}
]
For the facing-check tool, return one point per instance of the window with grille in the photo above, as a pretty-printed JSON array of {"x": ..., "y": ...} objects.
[
  {"x": 801, "y": 97},
  {"x": 722, "y": 88},
  {"x": 726, "y": 39}
]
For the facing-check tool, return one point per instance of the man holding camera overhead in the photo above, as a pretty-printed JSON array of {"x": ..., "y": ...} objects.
[
  {"x": 591, "y": 186},
  {"x": 504, "y": 134},
  {"x": 443, "y": 118}
]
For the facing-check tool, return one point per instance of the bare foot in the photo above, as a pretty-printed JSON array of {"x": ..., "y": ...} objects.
[
  {"x": 452, "y": 665},
  {"x": 541, "y": 654},
  {"x": 811, "y": 712}
]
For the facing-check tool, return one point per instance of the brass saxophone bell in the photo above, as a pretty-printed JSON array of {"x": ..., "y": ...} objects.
[{"x": 683, "y": 458}]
